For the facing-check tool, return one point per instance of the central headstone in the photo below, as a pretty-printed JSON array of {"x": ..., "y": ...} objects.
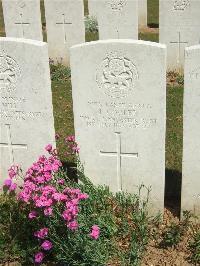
[
  {"x": 26, "y": 113},
  {"x": 22, "y": 19},
  {"x": 117, "y": 19},
  {"x": 179, "y": 25},
  {"x": 65, "y": 27},
  {"x": 119, "y": 112}
]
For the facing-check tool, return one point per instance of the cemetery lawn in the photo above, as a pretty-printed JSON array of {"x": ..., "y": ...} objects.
[{"x": 169, "y": 242}]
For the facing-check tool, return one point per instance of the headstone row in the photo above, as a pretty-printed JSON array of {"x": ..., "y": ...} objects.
[
  {"x": 119, "y": 113},
  {"x": 64, "y": 23}
]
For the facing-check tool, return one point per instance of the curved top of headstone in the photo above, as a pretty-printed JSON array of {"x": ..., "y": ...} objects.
[
  {"x": 120, "y": 41},
  {"x": 22, "y": 40},
  {"x": 193, "y": 47}
]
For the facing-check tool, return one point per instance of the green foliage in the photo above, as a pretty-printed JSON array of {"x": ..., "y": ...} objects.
[
  {"x": 91, "y": 24},
  {"x": 59, "y": 72},
  {"x": 16, "y": 239},
  {"x": 123, "y": 222},
  {"x": 174, "y": 232},
  {"x": 180, "y": 79},
  {"x": 195, "y": 248},
  {"x": 122, "y": 219}
]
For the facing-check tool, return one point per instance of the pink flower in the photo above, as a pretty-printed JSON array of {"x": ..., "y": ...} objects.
[
  {"x": 39, "y": 257},
  {"x": 83, "y": 196},
  {"x": 47, "y": 245},
  {"x": 61, "y": 181},
  {"x": 48, "y": 211},
  {"x": 48, "y": 148},
  {"x": 95, "y": 232},
  {"x": 13, "y": 171},
  {"x": 73, "y": 225},
  {"x": 8, "y": 182},
  {"x": 32, "y": 215},
  {"x": 13, "y": 187},
  {"x": 42, "y": 233},
  {"x": 70, "y": 139}
]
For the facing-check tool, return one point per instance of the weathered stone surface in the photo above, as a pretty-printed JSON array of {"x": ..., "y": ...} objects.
[
  {"x": 65, "y": 27},
  {"x": 179, "y": 25},
  {"x": 119, "y": 91},
  {"x": 26, "y": 113},
  {"x": 117, "y": 19},
  {"x": 22, "y": 19},
  {"x": 142, "y": 6},
  {"x": 191, "y": 140}
]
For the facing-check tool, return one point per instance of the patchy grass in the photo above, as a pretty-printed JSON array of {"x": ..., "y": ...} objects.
[{"x": 153, "y": 13}]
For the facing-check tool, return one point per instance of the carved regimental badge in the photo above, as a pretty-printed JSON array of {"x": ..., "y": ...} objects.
[
  {"x": 9, "y": 72},
  {"x": 181, "y": 4},
  {"x": 22, "y": 4},
  {"x": 117, "y": 5},
  {"x": 116, "y": 76}
]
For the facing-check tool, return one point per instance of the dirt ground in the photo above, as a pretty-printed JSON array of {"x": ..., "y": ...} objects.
[{"x": 172, "y": 256}]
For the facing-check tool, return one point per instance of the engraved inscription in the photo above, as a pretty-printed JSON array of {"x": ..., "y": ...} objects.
[
  {"x": 117, "y": 5},
  {"x": 116, "y": 76},
  {"x": 64, "y": 23},
  {"x": 119, "y": 115},
  {"x": 13, "y": 108},
  {"x": 22, "y": 4},
  {"x": 195, "y": 74},
  {"x": 119, "y": 154},
  {"x": 10, "y": 145},
  {"x": 9, "y": 72},
  {"x": 22, "y": 24},
  {"x": 181, "y": 5},
  {"x": 20, "y": 115}
]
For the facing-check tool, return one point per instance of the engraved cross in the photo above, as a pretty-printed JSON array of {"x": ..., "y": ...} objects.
[
  {"x": 119, "y": 154},
  {"x": 179, "y": 42},
  {"x": 64, "y": 23},
  {"x": 22, "y": 24},
  {"x": 10, "y": 145}
]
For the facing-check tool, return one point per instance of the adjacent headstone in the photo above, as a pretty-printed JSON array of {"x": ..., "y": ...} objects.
[
  {"x": 22, "y": 19},
  {"x": 142, "y": 6},
  {"x": 26, "y": 113},
  {"x": 119, "y": 94},
  {"x": 65, "y": 27},
  {"x": 117, "y": 19},
  {"x": 179, "y": 27},
  {"x": 191, "y": 139}
]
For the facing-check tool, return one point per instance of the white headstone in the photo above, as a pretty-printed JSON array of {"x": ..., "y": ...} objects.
[
  {"x": 142, "y": 6},
  {"x": 117, "y": 19},
  {"x": 191, "y": 139},
  {"x": 119, "y": 91},
  {"x": 26, "y": 113},
  {"x": 22, "y": 19},
  {"x": 179, "y": 25},
  {"x": 65, "y": 27}
]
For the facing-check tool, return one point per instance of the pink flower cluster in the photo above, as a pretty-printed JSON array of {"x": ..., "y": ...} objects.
[
  {"x": 72, "y": 145},
  {"x": 12, "y": 172},
  {"x": 44, "y": 193},
  {"x": 71, "y": 206}
]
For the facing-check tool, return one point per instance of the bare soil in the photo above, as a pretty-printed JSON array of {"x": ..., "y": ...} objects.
[{"x": 178, "y": 255}]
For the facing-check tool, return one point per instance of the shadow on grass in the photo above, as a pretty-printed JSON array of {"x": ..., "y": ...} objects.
[
  {"x": 153, "y": 25},
  {"x": 71, "y": 169},
  {"x": 173, "y": 182}
]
